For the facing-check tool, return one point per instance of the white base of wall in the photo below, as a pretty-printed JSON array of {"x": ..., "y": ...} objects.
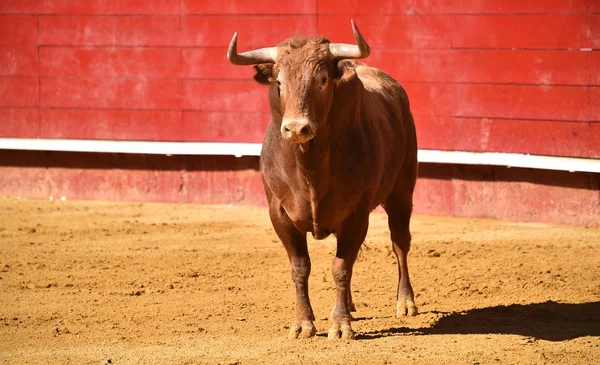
[{"x": 253, "y": 149}]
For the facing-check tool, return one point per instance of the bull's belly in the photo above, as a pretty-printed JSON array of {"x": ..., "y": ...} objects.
[{"x": 326, "y": 215}]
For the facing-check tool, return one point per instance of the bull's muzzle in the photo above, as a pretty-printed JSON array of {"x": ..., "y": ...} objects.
[{"x": 298, "y": 130}]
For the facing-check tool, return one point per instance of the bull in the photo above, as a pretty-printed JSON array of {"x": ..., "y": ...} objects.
[{"x": 341, "y": 142}]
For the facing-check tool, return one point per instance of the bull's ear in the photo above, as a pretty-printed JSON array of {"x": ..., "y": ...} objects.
[
  {"x": 345, "y": 70},
  {"x": 264, "y": 73}
]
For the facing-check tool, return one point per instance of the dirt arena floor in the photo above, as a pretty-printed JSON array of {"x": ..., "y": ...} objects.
[{"x": 85, "y": 282}]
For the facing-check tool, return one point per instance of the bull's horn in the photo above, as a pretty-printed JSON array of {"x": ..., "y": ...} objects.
[
  {"x": 360, "y": 50},
  {"x": 262, "y": 55}
]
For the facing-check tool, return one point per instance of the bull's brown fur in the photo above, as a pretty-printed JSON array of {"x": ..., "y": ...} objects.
[{"x": 363, "y": 154}]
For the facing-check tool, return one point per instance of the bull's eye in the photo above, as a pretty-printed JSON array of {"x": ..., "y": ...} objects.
[{"x": 324, "y": 81}]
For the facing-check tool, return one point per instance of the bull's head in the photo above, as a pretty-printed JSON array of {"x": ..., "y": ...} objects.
[{"x": 302, "y": 74}]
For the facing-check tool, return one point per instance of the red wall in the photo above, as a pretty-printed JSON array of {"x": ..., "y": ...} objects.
[
  {"x": 526, "y": 195},
  {"x": 496, "y": 75}
]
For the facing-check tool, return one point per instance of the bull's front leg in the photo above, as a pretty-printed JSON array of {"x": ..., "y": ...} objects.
[
  {"x": 303, "y": 326},
  {"x": 350, "y": 238},
  {"x": 295, "y": 244}
]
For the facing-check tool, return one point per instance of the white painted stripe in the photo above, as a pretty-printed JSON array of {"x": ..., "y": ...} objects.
[
  {"x": 143, "y": 147},
  {"x": 253, "y": 149},
  {"x": 511, "y": 160}
]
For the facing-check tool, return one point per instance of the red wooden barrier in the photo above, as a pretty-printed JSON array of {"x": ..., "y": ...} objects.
[
  {"x": 459, "y": 7},
  {"x": 498, "y": 75}
]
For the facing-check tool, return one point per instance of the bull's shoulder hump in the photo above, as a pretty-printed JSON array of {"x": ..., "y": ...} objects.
[{"x": 376, "y": 80}]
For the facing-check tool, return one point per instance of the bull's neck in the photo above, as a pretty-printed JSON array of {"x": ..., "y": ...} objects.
[{"x": 312, "y": 161}]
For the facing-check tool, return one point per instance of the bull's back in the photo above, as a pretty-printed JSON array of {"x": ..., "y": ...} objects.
[{"x": 384, "y": 91}]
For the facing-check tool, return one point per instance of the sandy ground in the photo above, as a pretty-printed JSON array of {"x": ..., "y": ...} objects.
[{"x": 85, "y": 282}]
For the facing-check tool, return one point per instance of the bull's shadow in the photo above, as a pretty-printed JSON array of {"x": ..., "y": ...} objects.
[{"x": 549, "y": 321}]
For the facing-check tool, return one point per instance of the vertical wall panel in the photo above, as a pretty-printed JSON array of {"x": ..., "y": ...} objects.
[
  {"x": 110, "y": 93},
  {"x": 110, "y": 30},
  {"x": 526, "y": 31},
  {"x": 19, "y": 92},
  {"x": 110, "y": 62},
  {"x": 18, "y": 30},
  {"x": 248, "y": 7},
  {"x": 423, "y": 32},
  {"x": 101, "y": 7},
  {"x": 254, "y": 31},
  {"x": 21, "y": 6},
  {"x": 19, "y": 122},
  {"x": 112, "y": 124},
  {"x": 18, "y": 61}
]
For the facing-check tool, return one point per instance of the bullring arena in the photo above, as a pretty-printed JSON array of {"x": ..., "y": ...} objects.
[
  {"x": 190, "y": 284},
  {"x": 134, "y": 226}
]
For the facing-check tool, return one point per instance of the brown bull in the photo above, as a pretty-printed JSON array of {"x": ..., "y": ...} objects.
[{"x": 341, "y": 142}]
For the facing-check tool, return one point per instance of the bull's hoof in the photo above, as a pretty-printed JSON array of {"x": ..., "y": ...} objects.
[
  {"x": 406, "y": 308},
  {"x": 306, "y": 330},
  {"x": 345, "y": 333},
  {"x": 333, "y": 334},
  {"x": 348, "y": 334}
]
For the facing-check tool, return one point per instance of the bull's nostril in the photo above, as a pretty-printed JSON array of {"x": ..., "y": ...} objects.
[
  {"x": 304, "y": 131},
  {"x": 286, "y": 129}
]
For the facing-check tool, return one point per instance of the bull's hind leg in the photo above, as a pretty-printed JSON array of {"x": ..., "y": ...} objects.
[
  {"x": 399, "y": 208},
  {"x": 295, "y": 244},
  {"x": 349, "y": 240}
]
